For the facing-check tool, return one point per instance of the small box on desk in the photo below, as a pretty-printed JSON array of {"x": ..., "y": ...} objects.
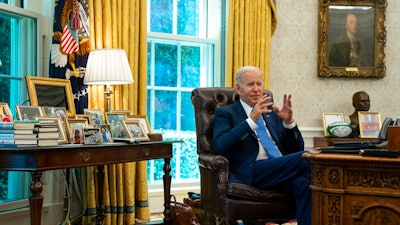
[{"x": 393, "y": 137}]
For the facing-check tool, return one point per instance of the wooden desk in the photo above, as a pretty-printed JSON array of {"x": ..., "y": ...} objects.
[
  {"x": 353, "y": 190},
  {"x": 39, "y": 159}
]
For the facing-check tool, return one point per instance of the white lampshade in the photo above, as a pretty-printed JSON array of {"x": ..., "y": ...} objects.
[{"x": 108, "y": 66}]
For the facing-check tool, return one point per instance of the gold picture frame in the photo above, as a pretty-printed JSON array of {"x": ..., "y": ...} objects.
[
  {"x": 5, "y": 113},
  {"x": 75, "y": 130},
  {"x": 51, "y": 92},
  {"x": 143, "y": 120},
  {"x": 135, "y": 130},
  {"x": 334, "y": 47},
  {"x": 96, "y": 116},
  {"x": 25, "y": 112},
  {"x": 115, "y": 122},
  {"x": 331, "y": 117},
  {"x": 370, "y": 124}
]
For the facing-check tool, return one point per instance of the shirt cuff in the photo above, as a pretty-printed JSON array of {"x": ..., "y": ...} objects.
[
  {"x": 251, "y": 123},
  {"x": 289, "y": 126}
]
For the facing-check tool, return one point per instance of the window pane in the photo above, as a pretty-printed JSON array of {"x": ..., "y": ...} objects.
[
  {"x": 166, "y": 65},
  {"x": 165, "y": 110},
  {"x": 188, "y": 17},
  {"x": 189, "y": 159},
  {"x": 187, "y": 113},
  {"x": 161, "y": 12},
  {"x": 190, "y": 66}
]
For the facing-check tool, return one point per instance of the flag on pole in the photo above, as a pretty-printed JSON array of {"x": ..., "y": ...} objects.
[{"x": 71, "y": 46}]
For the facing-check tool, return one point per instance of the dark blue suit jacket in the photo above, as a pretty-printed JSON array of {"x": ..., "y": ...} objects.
[{"x": 234, "y": 139}]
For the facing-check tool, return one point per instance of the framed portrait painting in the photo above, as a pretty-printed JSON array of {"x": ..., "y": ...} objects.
[
  {"x": 351, "y": 38},
  {"x": 328, "y": 118},
  {"x": 370, "y": 124}
]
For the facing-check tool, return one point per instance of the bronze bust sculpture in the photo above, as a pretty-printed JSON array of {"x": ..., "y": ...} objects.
[{"x": 361, "y": 102}]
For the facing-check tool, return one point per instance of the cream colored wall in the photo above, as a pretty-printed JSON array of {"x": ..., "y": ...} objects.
[{"x": 294, "y": 68}]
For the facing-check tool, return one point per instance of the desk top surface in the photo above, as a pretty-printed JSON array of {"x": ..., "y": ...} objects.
[{"x": 77, "y": 155}]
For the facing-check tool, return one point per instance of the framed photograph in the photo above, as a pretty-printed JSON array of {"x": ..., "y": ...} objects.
[
  {"x": 75, "y": 130},
  {"x": 55, "y": 92},
  {"x": 28, "y": 112},
  {"x": 96, "y": 116},
  {"x": 5, "y": 113},
  {"x": 115, "y": 122},
  {"x": 143, "y": 120},
  {"x": 329, "y": 118},
  {"x": 128, "y": 112},
  {"x": 351, "y": 38},
  {"x": 86, "y": 117},
  {"x": 370, "y": 124},
  {"x": 51, "y": 111},
  {"x": 92, "y": 136},
  {"x": 135, "y": 130},
  {"x": 62, "y": 138},
  {"x": 105, "y": 131}
]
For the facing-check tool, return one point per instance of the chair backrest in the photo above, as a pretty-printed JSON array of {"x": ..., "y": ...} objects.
[{"x": 205, "y": 101}]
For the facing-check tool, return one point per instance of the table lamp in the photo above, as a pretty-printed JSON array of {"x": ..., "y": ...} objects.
[{"x": 108, "y": 67}]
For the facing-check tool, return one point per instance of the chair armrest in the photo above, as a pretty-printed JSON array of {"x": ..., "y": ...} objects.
[{"x": 217, "y": 163}]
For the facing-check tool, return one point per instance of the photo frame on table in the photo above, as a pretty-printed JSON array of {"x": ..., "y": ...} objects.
[
  {"x": 5, "y": 113},
  {"x": 28, "y": 112},
  {"x": 135, "y": 130},
  {"x": 75, "y": 130},
  {"x": 334, "y": 46},
  {"x": 63, "y": 138},
  {"x": 331, "y": 117},
  {"x": 86, "y": 117},
  {"x": 370, "y": 124},
  {"x": 105, "y": 131},
  {"x": 51, "y": 111},
  {"x": 116, "y": 126},
  {"x": 96, "y": 115},
  {"x": 128, "y": 112},
  {"x": 143, "y": 120},
  {"x": 92, "y": 136},
  {"x": 44, "y": 91}
]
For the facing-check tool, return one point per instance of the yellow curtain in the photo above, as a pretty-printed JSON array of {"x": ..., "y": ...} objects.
[
  {"x": 251, "y": 25},
  {"x": 120, "y": 24}
]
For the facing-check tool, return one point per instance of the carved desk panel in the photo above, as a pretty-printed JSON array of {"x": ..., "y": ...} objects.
[{"x": 354, "y": 190}]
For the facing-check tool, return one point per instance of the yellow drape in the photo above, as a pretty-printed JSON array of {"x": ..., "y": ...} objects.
[
  {"x": 120, "y": 24},
  {"x": 251, "y": 25}
]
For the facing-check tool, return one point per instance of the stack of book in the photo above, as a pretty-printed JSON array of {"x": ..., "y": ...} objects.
[
  {"x": 47, "y": 132},
  {"x": 23, "y": 133},
  {"x": 7, "y": 134},
  {"x": 18, "y": 133}
]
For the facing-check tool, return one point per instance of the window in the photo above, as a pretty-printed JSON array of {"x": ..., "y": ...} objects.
[
  {"x": 19, "y": 57},
  {"x": 182, "y": 52}
]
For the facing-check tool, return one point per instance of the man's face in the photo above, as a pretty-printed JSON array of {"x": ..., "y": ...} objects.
[
  {"x": 362, "y": 103},
  {"x": 351, "y": 24},
  {"x": 251, "y": 87}
]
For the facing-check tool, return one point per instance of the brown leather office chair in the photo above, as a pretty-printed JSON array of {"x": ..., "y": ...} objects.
[{"x": 219, "y": 198}]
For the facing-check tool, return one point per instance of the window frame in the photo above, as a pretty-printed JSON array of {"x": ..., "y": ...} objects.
[
  {"x": 209, "y": 34},
  {"x": 33, "y": 66}
]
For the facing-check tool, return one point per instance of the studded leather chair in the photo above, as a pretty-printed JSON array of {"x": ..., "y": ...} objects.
[{"x": 219, "y": 198}]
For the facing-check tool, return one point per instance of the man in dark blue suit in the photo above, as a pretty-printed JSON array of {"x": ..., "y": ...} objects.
[{"x": 235, "y": 137}]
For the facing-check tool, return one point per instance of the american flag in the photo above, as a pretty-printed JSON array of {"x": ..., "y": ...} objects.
[{"x": 68, "y": 43}]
